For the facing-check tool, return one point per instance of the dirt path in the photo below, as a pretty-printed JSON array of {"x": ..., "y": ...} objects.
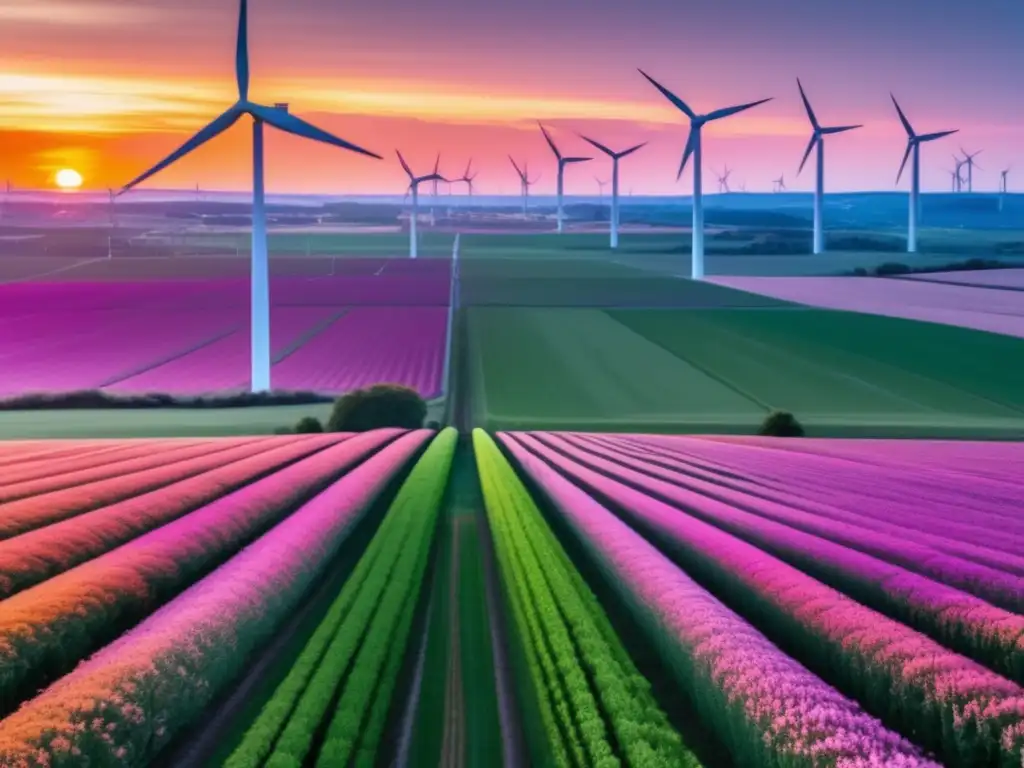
[{"x": 453, "y": 749}]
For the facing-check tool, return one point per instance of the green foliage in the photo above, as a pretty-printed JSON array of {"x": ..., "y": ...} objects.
[
  {"x": 594, "y": 706},
  {"x": 376, "y": 407},
  {"x": 308, "y": 425},
  {"x": 354, "y": 656},
  {"x": 781, "y": 424},
  {"x": 96, "y": 399}
]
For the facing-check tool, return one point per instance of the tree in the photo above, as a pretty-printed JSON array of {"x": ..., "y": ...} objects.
[
  {"x": 376, "y": 407},
  {"x": 781, "y": 424}
]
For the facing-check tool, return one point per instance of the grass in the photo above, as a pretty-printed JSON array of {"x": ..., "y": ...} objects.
[{"x": 841, "y": 374}]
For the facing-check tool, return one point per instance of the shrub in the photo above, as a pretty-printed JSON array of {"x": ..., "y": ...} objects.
[
  {"x": 382, "y": 405},
  {"x": 308, "y": 425},
  {"x": 93, "y": 398},
  {"x": 892, "y": 268},
  {"x": 781, "y": 424}
]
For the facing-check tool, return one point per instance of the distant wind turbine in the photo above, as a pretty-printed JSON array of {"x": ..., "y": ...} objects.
[
  {"x": 279, "y": 117},
  {"x": 600, "y": 186},
  {"x": 525, "y": 182},
  {"x": 467, "y": 177},
  {"x": 615, "y": 156},
  {"x": 954, "y": 177},
  {"x": 723, "y": 181},
  {"x": 818, "y": 139},
  {"x": 433, "y": 193},
  {"x": 779, "y": 184},
  {"x": 1003, "y": 186},
  {"x": 414, "y": 189},
  {"x": 742, "y": 186},
  {"x": 693, "y": 147},
  {"x": 914, "y": 142},
  {"x": 971, "y": 165},
  {"x": 959, "y": 176},
  {"x": 562, "y": 162}
]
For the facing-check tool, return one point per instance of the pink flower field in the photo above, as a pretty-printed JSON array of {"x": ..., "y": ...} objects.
[{"x": 573, "y": 599}]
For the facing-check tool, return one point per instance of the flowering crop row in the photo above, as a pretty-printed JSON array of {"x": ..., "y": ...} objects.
[
  {"x": 959, "y": 620},
  {"x": 344, "y": 677},
  {"x": 594, "y": 706},
  {"x": 20, "y": 452},
  {"x": 763, "y": 705},
  {"x": 47, "y": 629},
  {"x": 948, "y": 703},
  {"x": 140, "y": 459},
  {"x": 53, "y": 547},
  {"x": 818, "y": 500},
  {"x": 131, "y": 699}
]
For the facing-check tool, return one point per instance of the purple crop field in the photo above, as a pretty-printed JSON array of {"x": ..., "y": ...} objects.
[
  {"x": 889, "y": 570},
  {"x": 969, "y": 307},
  {"x": 191, "y": 337}
]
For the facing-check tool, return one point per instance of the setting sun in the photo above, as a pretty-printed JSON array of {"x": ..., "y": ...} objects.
[{"x": 69, "y": 179}]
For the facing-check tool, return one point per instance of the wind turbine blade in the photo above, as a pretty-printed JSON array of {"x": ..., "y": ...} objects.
[
  {"x": 469, "y": 167},
  {"x": 598, "y": 145},
  {"x": 679, "y": 103},
  {"x": 718, "y": 114},
  {"x": 431, "y": 177},
  {"x": 906, "y": 156},
  {"x": 547, "y": 137},
  {"x": 807, "y": 105},
  {"x": 214, "y": 129},
  {"x": 242, "y": 51},
  {"x": 405, "y": 165},
  {"x": 629, "y": 151},
  {"x": 903, "y": 118},
  {"x": 840, "y": 129},
  {"x": 576, "y": 159},
  {"x": 518, "y": 170},
  {"x": 686, "y": 154},
  {"x": 289, "y": 123},
  {"x": 939, "y": 135},
  {"x": 810, "y": 146},
  {"x": 437, "y": 162}
]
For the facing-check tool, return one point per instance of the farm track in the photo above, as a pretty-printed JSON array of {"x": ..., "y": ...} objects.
[{"x": 453, "y": 750}]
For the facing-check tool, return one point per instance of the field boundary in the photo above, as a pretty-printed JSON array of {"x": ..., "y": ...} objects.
[
  {"x": 170, "y": 358},
  {"x": 308, "y": 336}
]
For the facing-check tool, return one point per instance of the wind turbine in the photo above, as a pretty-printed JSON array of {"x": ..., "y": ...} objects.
[
  {"x": 278, "y": 117},
  {"x": 959, "y": 177},
  {"x": 562, "y": 162},
  {"x": 914, "y": 142},
  {"x": 723, "y": 181},
  {"x": 779, "y": 184},
  {"x": 1002, "y": 186},
  {"x": 693, "y": 147},
  {"x": 414, "y": 188},
  {"x": 818, "y": 139},
  {"x": 954, "y": 178},
  {"x": 615, "y": 156},
  {"x": 524, "y": 182},
  {"x": 969, "y": 162},
  {"x": 467, "y": 177},
  {"x": 433, "y": 193},
  {"x": 600, "y": 187}
]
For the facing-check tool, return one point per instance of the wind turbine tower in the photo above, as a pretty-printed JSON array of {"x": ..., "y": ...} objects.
[
  {"x": 433, "y": 192},
  {"x": 414, "y": 189},
  {"x": 467, "y": 177},
  {"x": 562, "y": 162},
  {"x": 971, "y": 165},
  {"x": 959, "y": 176},
  {"x": 914, "y": 142},
  {"x": 615, "y": 156},
  {"x": 693, "y": 147},
  {"x": 278, "y": 117},
  {"x": 818, "y": 135},
  {"x": 1002, "y": 186}
]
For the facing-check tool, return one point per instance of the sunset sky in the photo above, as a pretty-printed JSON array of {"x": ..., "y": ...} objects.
[{"x": 108, "y": 87}]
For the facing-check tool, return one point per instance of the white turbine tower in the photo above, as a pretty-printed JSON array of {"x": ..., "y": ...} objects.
[
  {"x": 280, "y": 118},
  {"x": 615, "y": 156},
  {"x": 914, "y": 142},
  {"x": 818, "y": 139},
  {"x": 414, "y": 189},
  {"x": 562, "y": 162},
  {"x": 693, "y": 147}
]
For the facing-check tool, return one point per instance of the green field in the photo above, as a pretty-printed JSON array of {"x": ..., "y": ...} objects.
[{"x": 722, "y": 371}]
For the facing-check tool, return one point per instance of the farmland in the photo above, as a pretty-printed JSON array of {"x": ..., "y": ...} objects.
[{"x": 572, "y": 598}]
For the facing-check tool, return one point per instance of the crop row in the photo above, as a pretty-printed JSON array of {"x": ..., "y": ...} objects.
[
  {"x": 764, "y": 705},
  {"x": 964, "y": 712},
  {"x": 122, "y": 509},
  {"x": 47, "y": 629},
  {"x": 130, "y": 700},
  {"x": 594, "y": 708},
  {"x": 345, "y": 674}
]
